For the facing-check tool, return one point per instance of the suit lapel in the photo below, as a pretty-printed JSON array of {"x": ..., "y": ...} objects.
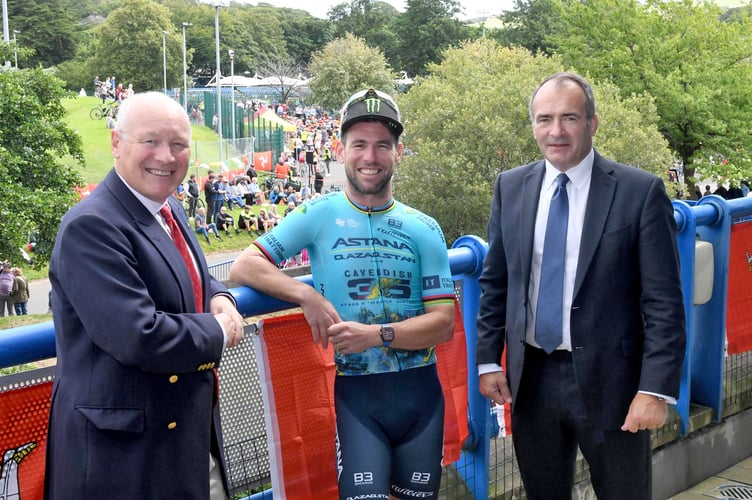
[
  {"x": 156, "y": 234},
  {"x": 531, "y": 187},
  {"x": 602, "y": 190}
]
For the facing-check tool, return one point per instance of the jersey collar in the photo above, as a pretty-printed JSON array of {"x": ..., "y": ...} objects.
[{"x": 370, "y": 210}]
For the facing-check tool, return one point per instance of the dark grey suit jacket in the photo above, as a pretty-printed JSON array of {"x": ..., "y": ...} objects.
[
  {"x": 132, "y": 405},
  {"x": 627, "y": 318}
]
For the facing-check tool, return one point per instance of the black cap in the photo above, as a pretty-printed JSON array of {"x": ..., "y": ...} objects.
[{"x": 368, "y": 105}]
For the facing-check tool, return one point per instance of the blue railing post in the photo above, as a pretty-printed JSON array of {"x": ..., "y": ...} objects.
[
  {"x": 709, "y": 338},
  {"x": 476, "y": 452},
  {"x": 686, "y": 229}
]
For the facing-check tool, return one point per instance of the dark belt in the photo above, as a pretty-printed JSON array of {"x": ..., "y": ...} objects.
[{"x": 557, "y": 355}]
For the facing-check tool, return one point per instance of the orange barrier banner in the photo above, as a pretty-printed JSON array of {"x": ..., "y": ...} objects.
[
  {"x": 739, "y": 306},
  {"x": 297, "y": 377},
  {"x": 24, "y": 413}
]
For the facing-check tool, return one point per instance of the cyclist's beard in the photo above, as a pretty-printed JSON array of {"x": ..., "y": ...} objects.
[{"x": 371, "y": 189}]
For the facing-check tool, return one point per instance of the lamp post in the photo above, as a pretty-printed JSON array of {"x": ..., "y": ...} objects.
[
  {"x": 218, "y": 76},
  {"x": 232, "y": 84},
  {"x": 164, "y": 62},
  {"x": 15, "y": 48},
  {"x": 217, "y": 4},
  {"x": 185, "y": 69},
  {"x": 6, "y": 37}
]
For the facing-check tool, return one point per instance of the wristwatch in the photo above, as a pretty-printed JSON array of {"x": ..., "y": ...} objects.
[{"x": 387, "y": 335}]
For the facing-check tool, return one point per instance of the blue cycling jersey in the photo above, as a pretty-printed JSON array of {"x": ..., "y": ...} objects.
[{"x": 375, "y": 265}]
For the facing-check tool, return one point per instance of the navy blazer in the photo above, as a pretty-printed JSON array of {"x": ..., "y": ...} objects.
[
  {"x": 627, "y": 318},
  {"x": 132, "y": 412}
]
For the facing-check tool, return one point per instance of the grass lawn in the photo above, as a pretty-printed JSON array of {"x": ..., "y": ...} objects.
[{"x": 96, "y": 137}]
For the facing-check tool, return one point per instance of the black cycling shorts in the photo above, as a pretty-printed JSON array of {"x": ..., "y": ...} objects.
[{"x": 390, "y": 434}]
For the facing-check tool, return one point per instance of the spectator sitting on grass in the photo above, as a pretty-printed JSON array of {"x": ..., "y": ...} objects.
[
  {"x": 247, "y": 221},
  {"x": 202, "y": 227},
  {"x": 276, "y": 195},
  {"x": 225, "y": 221},
  {"x": 264, "y": 221}
]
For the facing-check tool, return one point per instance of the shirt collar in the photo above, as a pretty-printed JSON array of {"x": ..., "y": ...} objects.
[
  {"x": 578, "y": 175},
  {"x": 152, "y": 206}
]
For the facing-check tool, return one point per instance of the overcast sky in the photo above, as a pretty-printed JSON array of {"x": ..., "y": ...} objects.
[{"x": 472, "y": 8}]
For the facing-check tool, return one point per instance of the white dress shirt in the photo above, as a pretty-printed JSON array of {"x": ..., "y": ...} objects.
[{"x": 578, "y": 189}]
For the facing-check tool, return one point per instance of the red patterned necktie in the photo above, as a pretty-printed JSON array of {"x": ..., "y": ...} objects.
[{"x": 185, "y": 253}]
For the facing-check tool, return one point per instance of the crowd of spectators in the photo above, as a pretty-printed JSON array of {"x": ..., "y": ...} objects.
[{"x": 110, "y": 89}]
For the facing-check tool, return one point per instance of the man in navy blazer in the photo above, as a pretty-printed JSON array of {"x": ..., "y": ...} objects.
[
  {"x": 619, "y": 360},
  {"x": 134, "y": 411}
]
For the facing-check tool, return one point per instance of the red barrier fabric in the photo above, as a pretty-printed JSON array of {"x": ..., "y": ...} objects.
[
  {"x": 739, "y": 302},
  {"x": 24, "y": 413},
  {"x": 299, "y": 397}
]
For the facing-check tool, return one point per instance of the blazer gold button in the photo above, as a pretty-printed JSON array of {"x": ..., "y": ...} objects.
[
  {"x": 172, "y": 425},
  {"x": 173, "y": 379}
]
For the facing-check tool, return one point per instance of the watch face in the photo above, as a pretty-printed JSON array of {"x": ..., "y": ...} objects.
[{"x": 387, "y": 333}]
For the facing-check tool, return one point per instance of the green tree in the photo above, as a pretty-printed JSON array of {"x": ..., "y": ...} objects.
[
  {"x": 249, "y": 31},
  {"x": 252, "y": 33},
  {"x": 466, "y": 122},
  {"x": 37, "y": 188},
  {"x": 130, "y": 46},
  {"x": 45, "y": 26},
  {"x": 345, "y": 66},
  {"x": 696, "y": 66},
  {"x": 425, "y": 30},
  {"x": 371, "y": 20},
  {"x": 530, "y": 24},
  {"x": 303, "y": 34}
]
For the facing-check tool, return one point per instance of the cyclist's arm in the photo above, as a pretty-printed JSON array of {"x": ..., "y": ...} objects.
[
  {"x": 253, "y": 268},
  {"x": 420, "y": 332}
]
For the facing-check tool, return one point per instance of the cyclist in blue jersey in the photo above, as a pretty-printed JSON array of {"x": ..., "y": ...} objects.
[{"x": 383, "y": 296}]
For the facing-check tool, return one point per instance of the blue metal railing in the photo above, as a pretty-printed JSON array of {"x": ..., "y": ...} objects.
[{"x": 709, "y": 220}]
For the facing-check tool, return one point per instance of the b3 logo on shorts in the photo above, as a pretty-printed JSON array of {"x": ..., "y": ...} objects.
[
  {"x": 362, "y": 478},
  {"x": 420, "y": 477}
]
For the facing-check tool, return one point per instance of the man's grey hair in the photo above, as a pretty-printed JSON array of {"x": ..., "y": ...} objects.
[{"x": 564, "y": 77}]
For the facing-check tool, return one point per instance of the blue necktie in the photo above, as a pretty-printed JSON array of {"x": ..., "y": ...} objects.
[{"x": 548, "y": 315}]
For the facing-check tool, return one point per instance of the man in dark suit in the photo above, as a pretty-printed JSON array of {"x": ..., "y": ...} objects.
[
  {"x": 615, "y": 363},
  {"x": 138, "y": 330},
  {"x": 210, "y": 195}
]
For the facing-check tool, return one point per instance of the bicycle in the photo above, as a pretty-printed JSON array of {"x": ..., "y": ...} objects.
[
  {"x": 199, "y": 204},
  {"x": 101, "y": 111}
]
